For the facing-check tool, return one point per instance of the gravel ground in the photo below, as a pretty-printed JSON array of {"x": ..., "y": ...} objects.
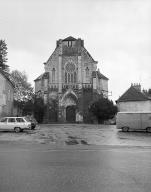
[{"x": 77, "y": 134}]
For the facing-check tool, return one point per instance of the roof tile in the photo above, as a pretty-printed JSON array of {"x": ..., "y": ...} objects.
[
  {"x": 7, "y": 76},
  {"x": 132, "y": 94},
  {"x": 70, "y": 38},
  {"x": 44, "y": 75},
  {"x": 99, "y": 75}
]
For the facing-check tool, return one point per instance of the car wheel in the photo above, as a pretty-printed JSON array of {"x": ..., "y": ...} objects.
[
  {"x": 17, "y": 129},
  {"x": 148, "y": 129},
  {"x": 125, "y": 129}
]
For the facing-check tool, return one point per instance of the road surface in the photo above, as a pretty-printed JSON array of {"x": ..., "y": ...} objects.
[
  {"x": 37, "y": 168},
  {"x": 77, "y": 158}
]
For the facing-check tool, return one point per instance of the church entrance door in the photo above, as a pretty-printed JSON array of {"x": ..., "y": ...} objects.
[{"x": 71, "y": 114}]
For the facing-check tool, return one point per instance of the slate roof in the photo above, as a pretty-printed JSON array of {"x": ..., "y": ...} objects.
[
  {"x": 7, "y": 76},
  {"x": 70, "y": 38},
  {"x": 132, "y": 94},
  {"x": 86, "y": 52},
  {"x": 99, "y": 75},
  {"x": 43, "y": 75},
  {"x": 39, "y": 77}
]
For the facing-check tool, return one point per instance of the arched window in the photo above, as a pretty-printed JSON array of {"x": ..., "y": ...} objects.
[
  {"x": 70, "y": 73},
  {"x": 66, "y": 77},
  {"x": 72, "y": 79},
  {"x": 53, "y": 74},
  {"x": 75, "y": 77},
  {"x": 69, "y": 43},
  {"x": 87, "y": 72}
]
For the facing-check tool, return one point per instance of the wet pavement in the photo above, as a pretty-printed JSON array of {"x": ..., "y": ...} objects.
[
  {"x": 77, "y": 158},
  {"x": 78, "y": 134},
  {"x": 37, "y": 168}
]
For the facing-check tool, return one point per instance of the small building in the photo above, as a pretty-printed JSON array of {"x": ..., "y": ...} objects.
[
  {"x": 6, "y": 95},
  {"x": 70, "y": 82},
  {"x": 134, "y": 100}
]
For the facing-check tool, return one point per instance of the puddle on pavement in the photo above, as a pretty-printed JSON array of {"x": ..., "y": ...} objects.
[
  {"x": 84, "y": 142},
  {"x": 123, "y": 138},
  {"x": 72, "y": 137},
  {"x": 73, "y": 140}
]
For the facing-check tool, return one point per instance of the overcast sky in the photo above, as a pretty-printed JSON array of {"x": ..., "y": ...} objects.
[{"x": 117, "y": 33}]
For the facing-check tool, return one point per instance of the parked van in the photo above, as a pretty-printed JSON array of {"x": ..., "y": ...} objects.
[{"x": 134, "y": 121}]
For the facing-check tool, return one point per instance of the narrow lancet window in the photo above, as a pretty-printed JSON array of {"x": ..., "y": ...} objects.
[
  {"x": 87, "y": 72},
  {"x": 65, "y": 77},
  {"x": 53, "y": 75},
  {"x": 75, "y": 77}
]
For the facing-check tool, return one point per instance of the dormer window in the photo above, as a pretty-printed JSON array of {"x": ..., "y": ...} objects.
[{"x": 69, "y": 43}]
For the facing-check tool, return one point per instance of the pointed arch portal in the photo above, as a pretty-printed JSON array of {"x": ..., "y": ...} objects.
[
  {"x": 71, "y": 114},
  {"x": 69, "y": 102}
]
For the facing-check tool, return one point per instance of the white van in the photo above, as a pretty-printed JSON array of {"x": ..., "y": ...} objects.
[{"x": 134, "y": 121}]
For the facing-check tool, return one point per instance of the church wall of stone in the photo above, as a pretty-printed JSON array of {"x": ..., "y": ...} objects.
[
  {"x": 51, "y": 64},
  {"x": 86, "y": 97},
  {"x": 37, "y": 86},
  {"x": 57, "y": 93},
  {"x": 87, "y": 62},
  {"x": 101, "y": 85},
  {"x": 104, "y": 84}
]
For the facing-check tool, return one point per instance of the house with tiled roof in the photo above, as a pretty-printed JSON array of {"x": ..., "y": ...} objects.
[
  {"x": 71, "y": 80},
  {"x": 134, "y": 100},
  {"x": 6, "y": 94}
]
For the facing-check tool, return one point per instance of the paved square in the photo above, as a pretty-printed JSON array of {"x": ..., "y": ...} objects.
[{"x": 78, "y": 134}]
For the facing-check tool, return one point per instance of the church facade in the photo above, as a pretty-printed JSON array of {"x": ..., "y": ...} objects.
[{"x": 70, "y": 82}]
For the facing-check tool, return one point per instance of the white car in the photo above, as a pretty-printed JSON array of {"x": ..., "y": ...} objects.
[{"x": 18, "y": 124}]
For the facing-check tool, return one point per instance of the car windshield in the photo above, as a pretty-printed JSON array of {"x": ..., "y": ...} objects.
[{"x": 27, "y": 119}]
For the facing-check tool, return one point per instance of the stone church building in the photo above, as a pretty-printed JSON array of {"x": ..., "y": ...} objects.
[{"x": 70, "y": 82}]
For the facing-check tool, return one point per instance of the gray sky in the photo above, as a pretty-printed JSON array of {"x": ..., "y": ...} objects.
[{"x": 117, "y": 33}]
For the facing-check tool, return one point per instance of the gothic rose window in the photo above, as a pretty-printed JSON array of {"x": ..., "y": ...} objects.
[
  {"x": 70, "y": 67},
  {"x": 70, "y": 73}
]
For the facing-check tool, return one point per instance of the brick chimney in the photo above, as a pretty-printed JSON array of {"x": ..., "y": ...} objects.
[{"x": 137, "y": 86}]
